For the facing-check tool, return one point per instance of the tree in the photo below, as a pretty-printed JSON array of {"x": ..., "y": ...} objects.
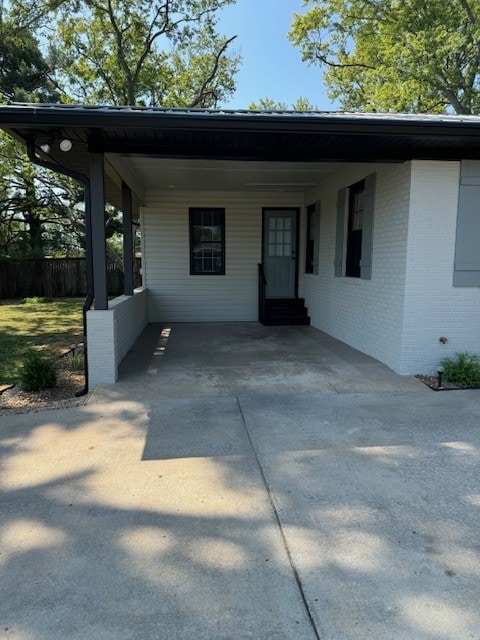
[
  {"x": 41, "y": 213},
  {"x": 268, "y": 104},
  {"x": 24, "y": 72},
  {"x": 144, "y": 52},
  {"x": 24, "y": 76},
  {"x": 392, "y": 55},
  {"x": 132, "y": 52}
]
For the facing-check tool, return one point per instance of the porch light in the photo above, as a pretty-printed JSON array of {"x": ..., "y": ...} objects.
[
  {"x": 65, "y": 145},
  {"x": 45, "y": 147},
  {"x": 440, "y": 371}
]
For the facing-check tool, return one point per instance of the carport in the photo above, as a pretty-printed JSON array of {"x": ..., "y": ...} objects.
[{"x": 170, "y": 165}]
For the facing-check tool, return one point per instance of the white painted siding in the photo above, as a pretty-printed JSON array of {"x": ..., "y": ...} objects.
[
  {"x": 366, "y": 314},
  {"x": 175, "y": 295},
  {"x": 433, "y": 306}
]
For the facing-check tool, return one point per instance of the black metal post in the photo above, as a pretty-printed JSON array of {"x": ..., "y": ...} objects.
[{"x": 99, "y": 247}]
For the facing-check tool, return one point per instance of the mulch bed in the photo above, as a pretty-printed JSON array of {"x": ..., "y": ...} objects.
[
  {"x": 63, "y": 395},
  {"x": 432, "y": 382}
]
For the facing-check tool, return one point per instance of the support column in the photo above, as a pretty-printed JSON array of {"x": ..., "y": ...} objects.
[
  {"x": 99, "y": 248},
  {"x": 128, "y": 264}
]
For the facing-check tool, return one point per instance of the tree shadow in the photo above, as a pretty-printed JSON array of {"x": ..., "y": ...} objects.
[
  {"x": 130, "y": 520},
  {"x": 97, "y": 542}
]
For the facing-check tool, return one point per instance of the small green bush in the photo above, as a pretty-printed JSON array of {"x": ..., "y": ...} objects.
[
  {"x": 75, "y": 361},
  {"x": 463, "y": 369},
  {"x": 37, "y": 300},
  {"x": 37, "y": 373}
]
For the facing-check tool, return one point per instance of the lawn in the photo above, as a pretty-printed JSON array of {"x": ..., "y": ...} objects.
[{"x": 47, "y": 326}]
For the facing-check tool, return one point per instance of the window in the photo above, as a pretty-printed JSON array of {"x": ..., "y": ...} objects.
[
  {"x": 312, "y": 238},
  {"x": 354, "y": 229},
  {"x": 354, "y": 234},
  {"x": 207, "y": 242}
]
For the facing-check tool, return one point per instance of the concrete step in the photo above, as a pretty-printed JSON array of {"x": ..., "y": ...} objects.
[{"x": 287, "y": 320}]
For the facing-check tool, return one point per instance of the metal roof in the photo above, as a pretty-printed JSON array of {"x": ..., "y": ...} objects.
[
  {"x": 249, "y": 113},
  {"x": 256, "y": 135}
]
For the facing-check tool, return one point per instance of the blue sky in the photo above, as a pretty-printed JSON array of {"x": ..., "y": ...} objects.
[{"x": 271, "y": 67}]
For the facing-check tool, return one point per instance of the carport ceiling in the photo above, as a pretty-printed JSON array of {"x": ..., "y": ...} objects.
[{"x": 155, "y": 174}]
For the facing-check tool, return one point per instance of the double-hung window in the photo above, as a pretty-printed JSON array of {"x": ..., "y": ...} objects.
[
  {"x": 207, "y": 241},
  {"x": 312, "y": 238},
  {"x": 354, "y": 234},
  {"x": 354, "y": 229}
]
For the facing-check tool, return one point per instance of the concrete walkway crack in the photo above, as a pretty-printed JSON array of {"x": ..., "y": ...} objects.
[{"x": 280, "y": 527}]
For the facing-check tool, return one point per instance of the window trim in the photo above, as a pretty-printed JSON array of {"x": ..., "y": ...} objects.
[
  {"x": 313, "y": 223},
  {"x": 191, "y": 213},
  {"x": 351, "y": 271},
  {"x": 368, "y": 225},
  {"x": 310, "y": 240}
]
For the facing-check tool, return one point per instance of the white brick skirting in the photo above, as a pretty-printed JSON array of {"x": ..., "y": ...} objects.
[{"x": 111, "y": 333}]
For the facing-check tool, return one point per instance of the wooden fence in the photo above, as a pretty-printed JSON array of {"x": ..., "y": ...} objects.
[{"x": 54, "y": 278}]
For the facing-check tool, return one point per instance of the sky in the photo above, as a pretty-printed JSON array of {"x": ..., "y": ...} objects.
[{"x": 272, "y": 67}]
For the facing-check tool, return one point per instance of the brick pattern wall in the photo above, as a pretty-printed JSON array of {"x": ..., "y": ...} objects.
[
  {"x": 366, "y": 314},
  {"x": 111, "y": 333},
  {"x": 434, "y": 308}
]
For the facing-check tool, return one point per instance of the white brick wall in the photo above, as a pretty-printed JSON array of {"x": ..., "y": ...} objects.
[
  {"x": 112, "y": 332},
  {"x": 366, "y": 314},
  {"x": 433, "y": 306}
]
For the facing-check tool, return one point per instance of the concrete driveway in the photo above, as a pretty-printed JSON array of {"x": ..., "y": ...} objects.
[{"x": 258, "y": 515}]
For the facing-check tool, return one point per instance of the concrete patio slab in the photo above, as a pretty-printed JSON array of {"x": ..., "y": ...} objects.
[{"x": 230, "y": 359}]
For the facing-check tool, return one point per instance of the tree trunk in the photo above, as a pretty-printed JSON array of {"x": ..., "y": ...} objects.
[{"x": 33, "y": 219}]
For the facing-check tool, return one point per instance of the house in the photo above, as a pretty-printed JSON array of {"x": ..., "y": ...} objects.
[{"x": 373, "y": 220}]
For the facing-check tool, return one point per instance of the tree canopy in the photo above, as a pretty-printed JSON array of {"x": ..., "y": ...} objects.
[
  {"x": 114, "y": 52},
  {"x": 136, "y": 52},
  {"x": 24, "y": 71},
  {"x": 268, "y": 104},
  {"x": 395, "y": 55}
]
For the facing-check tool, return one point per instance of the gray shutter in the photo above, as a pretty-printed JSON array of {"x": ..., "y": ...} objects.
[
  {"x": 339, "y": 239},
  {"x": 316, "y": 232},
  {"x": 467, "y": 245},
  {"x": 367, "y": 227}
]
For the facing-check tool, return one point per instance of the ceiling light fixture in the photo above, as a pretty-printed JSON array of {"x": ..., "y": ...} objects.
[{"x": 65, "y": 145}]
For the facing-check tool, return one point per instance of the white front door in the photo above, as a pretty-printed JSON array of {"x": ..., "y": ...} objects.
[{"x": 279, "y": 251}]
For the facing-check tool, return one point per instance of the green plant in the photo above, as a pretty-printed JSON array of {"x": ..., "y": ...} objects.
[
  {"x": 463, "y": 369},
  {"x": 36, "y": 300},
  {"x": 38, "y": 372},
  {"x": 75, "y": 361}
]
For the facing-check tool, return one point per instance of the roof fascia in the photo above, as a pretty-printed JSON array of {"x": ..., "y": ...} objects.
[{"x": 88, "y": 118}]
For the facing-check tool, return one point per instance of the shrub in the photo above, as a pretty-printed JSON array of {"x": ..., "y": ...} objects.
[
  {"x": 37, "y": 373},
  {"x": 75, "y": 361},
  {"x": 36, "y": 300},
  {"x": 463, "y": 369}
]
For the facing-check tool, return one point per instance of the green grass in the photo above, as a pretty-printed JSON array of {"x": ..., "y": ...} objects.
[{"x": 49, "y": 327}]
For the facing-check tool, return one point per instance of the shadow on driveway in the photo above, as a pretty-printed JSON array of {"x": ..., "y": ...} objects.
[{"x": 276, "y": 516}]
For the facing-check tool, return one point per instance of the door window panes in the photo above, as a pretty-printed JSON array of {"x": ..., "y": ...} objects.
[{"x": 279, "y": 236}]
